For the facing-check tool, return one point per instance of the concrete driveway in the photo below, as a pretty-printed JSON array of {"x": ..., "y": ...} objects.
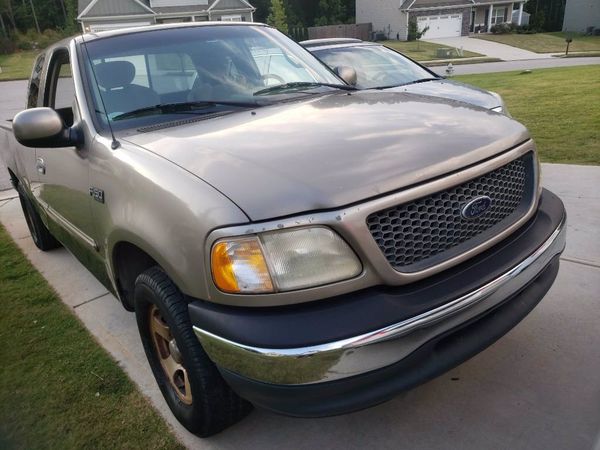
[
  {"x": 488, "y": 48},
  {"x": 536, "y": 388}
]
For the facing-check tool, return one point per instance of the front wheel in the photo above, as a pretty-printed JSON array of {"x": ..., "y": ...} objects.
[{"x": 189, "y": 381}]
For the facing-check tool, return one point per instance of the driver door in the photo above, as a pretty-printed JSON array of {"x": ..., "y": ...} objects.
[{"x": 63, "y": 173}]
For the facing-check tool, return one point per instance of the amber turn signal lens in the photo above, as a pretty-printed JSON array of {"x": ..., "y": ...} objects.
[{"x": 239, "y": 266}]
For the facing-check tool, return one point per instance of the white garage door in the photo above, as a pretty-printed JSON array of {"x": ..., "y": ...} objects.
[{"x": 441, "y": 26}]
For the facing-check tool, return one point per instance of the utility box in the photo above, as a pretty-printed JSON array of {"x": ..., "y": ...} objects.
[{"x": 444, "y": 52}]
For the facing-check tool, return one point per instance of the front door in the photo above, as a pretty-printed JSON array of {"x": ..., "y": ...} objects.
[{"x": 63, "y": 173}]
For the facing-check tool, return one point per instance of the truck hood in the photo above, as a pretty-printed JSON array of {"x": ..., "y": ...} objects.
[
  {"x": 329, "y": 151},
  {"x": 452, "y": 90}
]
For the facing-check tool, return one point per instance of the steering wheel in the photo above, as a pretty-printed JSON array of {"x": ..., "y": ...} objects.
[{"x": 268, "y": 76}]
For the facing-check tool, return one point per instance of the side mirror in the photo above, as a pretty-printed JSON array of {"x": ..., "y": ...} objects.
[
  {"x": 43, "y": 128},
  {"x": 346, "y": 73}
]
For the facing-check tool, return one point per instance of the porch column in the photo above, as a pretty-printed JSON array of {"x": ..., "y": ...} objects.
[
  {"x": 520, "y": 14},
  {"x": 489, "y": 24}
]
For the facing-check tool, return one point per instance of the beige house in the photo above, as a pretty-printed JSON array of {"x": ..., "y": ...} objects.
[
  {"x": 445, "y": 18},
  {"x": 101, "y": 15}
]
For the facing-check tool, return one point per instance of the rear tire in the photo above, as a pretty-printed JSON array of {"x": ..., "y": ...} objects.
[
  {"x": 42, "y": 238},
  {"x": 189, "y": 381}
]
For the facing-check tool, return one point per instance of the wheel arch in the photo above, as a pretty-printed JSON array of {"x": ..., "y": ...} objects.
[{"x": 129, "y": 257}]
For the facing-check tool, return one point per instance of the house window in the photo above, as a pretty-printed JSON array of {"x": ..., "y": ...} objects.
[
  {"x": 498, "y": 15},
  {"x": 232, "y": 18}
]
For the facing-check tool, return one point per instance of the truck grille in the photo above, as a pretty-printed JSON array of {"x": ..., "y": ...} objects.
[{"x": 430, "y": 230}]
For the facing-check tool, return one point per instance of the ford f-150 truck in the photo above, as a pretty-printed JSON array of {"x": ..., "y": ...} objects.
[{"x": 285, "y": 240}]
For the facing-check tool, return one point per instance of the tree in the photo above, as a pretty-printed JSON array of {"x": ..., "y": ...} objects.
[
  {"x": 277, "y": 16},
  {"x": 413, "y": 32},
  {"x": 331, "y": 12},
  {"x": 546, "y": 15}
]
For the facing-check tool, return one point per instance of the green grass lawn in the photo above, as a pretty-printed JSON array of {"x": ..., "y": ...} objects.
[
  {"x": 422, "y": 51},
  {"x": 561, "y": 108},
  {"x": 17, "y": 66},
  {"x": 58, "y": 388},
  {"x": 546, "y": 42}
]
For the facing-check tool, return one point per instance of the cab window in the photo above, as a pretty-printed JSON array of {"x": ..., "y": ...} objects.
[
  {"x": 35, "y": 80},
  {"x": 60, "y": 88}
]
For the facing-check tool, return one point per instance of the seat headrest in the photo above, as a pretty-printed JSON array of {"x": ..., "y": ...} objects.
[{"x": 114, "y": 74}]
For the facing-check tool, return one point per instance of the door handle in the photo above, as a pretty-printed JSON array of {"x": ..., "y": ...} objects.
[{"x": 40, "y": 165}]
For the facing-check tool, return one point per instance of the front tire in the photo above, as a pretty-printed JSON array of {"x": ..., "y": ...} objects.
[{"x": 189, "y": 381}]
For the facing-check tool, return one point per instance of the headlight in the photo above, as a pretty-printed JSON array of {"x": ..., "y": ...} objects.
[
  {"x": 282, "y": 261},
  {"x": 502, "y": 108}
]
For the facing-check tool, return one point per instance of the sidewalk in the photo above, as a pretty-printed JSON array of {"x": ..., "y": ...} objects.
[{"x": 536, "y": 388}]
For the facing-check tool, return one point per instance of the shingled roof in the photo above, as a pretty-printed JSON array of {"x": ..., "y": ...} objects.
[{"x": 115, "y": 8}]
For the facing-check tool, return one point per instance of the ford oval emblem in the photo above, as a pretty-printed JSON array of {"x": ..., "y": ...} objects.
[{"x": 476, "y": 207}]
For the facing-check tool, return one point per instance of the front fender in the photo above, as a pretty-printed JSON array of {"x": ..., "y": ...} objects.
[{"x": 158, "y": 207}]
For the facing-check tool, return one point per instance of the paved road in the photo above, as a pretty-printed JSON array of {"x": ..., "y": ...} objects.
[
  {"x": 12, "y": 100},
  {"x": 536, "y": 388},
  {"x": 506, "y": 66},
  {"x": 488, "y": 48}
]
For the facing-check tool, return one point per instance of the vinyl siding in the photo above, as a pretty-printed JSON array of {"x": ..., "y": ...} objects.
[
  {"x": 382, "y": 14},
  {"x": 581, "y": 14},
  {"x": 163, "y": 3}
]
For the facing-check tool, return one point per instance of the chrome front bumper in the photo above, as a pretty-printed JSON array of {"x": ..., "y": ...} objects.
[{"x": 382, "y": 347}]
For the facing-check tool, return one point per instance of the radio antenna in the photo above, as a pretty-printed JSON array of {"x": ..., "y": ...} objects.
[{"x": 115, "y": 144}]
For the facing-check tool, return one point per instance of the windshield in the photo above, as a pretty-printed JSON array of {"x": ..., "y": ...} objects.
[
  {"x": 149, "y": 77},
  {"x": 375, "y": 65}
]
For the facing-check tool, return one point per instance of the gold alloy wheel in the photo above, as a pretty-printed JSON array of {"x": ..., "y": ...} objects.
[{"x": 169, "y": 355}]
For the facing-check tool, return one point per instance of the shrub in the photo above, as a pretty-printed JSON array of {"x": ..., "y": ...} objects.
[
  {"x": 503, "y": 28},
  {"x": 6, "y": 46},
  {"x": 413, "y": 31},
  {"x": 31, "y": 40},
  {"x": 526, "y": 29}
]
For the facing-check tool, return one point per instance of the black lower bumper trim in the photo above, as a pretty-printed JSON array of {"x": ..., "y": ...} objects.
[{"x": 430, "y": 360}]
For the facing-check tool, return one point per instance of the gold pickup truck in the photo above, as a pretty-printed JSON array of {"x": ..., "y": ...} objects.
[{"x": 284, "y": 239}]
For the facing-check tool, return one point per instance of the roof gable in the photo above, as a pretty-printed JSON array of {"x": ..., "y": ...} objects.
[
  {"x": 433, "y": 4},
  {"x": 107, "y": 8},
  {"x": 230, "y": 4}
]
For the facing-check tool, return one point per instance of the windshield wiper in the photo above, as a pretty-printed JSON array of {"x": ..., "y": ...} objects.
[
  {"x": 421, "y": 80},
  {"x": 301, "y": 84},
  {"x": 183, "y": 108}
]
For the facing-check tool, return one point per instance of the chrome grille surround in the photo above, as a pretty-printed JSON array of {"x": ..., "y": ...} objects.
[{"x": 429, "y": 230}]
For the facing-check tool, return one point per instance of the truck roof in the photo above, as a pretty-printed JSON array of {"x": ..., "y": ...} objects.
[{"x": 124, "y": 31}]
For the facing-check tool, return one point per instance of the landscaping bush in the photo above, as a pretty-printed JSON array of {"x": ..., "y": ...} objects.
[
  {"x": 31, "y": 40},
  {"x": 526, "y": 29},
  {"x": 503, "y": 28},
  {"x": 413, "y": 31},
  {"x": 6, "y": 46}
]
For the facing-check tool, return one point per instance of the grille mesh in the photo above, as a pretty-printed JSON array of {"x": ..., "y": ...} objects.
[{"x": 427, "y": 231}]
